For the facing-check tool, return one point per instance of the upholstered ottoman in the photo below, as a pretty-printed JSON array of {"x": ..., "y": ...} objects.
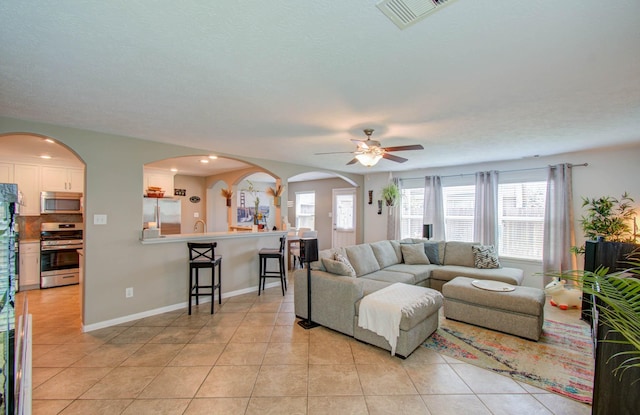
[
  {"x": 519, "y": 312},
  {"x": 415, "y": 325}
]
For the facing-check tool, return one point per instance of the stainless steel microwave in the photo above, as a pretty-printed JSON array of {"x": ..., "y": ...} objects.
[{"x": 61, "y": 202}]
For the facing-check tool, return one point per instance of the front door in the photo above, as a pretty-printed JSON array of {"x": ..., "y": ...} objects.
[{"x": 344, "y": 218}]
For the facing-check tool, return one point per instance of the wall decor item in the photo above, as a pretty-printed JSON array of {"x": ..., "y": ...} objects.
[
  {"x": 252, "y": 207},
  {"x": 194, "y": 199},
  {"x": 370, "y": 197},
  {"x": 379, "y": 207},
  {"x": 227, "y": 194},
  {"x": 179, "y": 192}
]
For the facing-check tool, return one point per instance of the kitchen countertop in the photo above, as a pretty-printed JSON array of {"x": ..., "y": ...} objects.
[{"x": 188, "y": 237}]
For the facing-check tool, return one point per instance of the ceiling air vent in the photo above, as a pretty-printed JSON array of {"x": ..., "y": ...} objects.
[{"x": 404, "y": 13}]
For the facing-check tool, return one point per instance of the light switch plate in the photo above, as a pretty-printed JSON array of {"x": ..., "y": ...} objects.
[{"x": 99, "y": 219}]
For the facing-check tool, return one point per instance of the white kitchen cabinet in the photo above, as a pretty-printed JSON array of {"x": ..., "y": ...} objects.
[
  {"x": 27, "y": 176},
  {"x": 29, "y": 276},
  {"x": 62, "y": 179},
  {"x": 159, "y": 178},
  {"x": 6, "y": 172}
]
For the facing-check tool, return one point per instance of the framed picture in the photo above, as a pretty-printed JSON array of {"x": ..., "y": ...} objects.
[{"x": 246, "y": 208}]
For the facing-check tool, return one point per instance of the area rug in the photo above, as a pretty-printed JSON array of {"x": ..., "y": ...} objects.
[{"x": 560, "y": 362}]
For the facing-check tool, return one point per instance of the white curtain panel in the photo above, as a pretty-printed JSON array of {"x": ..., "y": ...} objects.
[
  {"x": 559, "y": 232},
  {"x": 434, "y": 206},
  {"x": 485, "y": 223},
  {"x": 393, "y": 222}
]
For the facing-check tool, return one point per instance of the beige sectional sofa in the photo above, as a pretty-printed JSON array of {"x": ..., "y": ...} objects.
[{"x": 337, "y": 288}]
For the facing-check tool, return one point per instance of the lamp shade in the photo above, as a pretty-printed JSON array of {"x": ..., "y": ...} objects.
[
  {"x": 309, "y": 249},
  {"x": 427, "y": 231},
  {"x": 368, "y": 159}
]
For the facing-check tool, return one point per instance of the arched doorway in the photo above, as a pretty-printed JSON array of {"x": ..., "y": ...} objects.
[{"x": 40, "y": 164}]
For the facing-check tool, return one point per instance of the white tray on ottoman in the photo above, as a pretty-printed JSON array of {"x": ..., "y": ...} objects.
[{"x": 519, "y": 312}]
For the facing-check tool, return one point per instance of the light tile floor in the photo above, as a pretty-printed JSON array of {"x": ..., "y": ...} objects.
[{"x": 250, "y": 357}]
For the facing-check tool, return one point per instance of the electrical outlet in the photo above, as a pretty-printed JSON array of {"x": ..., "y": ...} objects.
[
  {"x": 196, "y": 214},
  {"x": 128, "y": 293}
]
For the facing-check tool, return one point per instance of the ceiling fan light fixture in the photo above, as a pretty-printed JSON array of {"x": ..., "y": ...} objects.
[{"x": 369, "y": 159}]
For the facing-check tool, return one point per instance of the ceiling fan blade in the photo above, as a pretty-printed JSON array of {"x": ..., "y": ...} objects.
[
  {"x": 333, "y": 152},
  {"x": 404, "y": 148},
  {"x": 353, "y": 161},
  {"x": 394, "y": 158}
]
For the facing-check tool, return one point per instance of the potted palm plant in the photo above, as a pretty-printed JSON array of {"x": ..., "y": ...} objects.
[
  {"x": 614, "y": 299},
  {"x": 607, "y": 218}
]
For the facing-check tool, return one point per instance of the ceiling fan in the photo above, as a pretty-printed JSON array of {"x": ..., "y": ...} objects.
[{"x": 369, "y": 151}]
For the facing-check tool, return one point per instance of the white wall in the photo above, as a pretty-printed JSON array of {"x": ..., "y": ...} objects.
[
  {"x": 114, "y": 257},
  {"x": 610, "y": 172}
]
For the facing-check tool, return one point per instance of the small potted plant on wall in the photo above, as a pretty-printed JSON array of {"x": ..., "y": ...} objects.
[
  {"x": 391, "y": 194},
  {"x": 227, "y": 194},
  {"x": 276, "y": 193}
]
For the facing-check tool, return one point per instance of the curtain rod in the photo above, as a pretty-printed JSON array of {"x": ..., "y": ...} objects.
[{"x": 499, "y": 171}]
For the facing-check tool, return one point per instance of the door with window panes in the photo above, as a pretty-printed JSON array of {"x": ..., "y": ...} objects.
[{"x": 344, "y": 218}]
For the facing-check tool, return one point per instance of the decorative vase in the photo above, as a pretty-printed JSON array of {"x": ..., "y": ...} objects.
[
  {"x": 276, "y": 200},
  {"x": 229, "y": 202}
]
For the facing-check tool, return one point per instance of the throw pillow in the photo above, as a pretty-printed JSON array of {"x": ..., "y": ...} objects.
[
  {"x": 341, "y": 258},
  {"x": 485, "y": 256},
  {"x": 431, "y": 249},
  {"x": 337, "y": 267},
  {"x": 414, "y": 254}
]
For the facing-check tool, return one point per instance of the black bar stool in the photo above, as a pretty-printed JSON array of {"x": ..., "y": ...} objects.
[
  {"x": 202, "y": 255},
  {"x": 265, "y": 254}
]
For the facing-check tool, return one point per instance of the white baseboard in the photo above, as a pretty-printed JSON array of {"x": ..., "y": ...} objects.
[{"x": 161, "y": 310}]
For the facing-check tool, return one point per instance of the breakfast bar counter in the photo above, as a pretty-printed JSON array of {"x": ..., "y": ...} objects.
[{"x": 239, "y": 251}]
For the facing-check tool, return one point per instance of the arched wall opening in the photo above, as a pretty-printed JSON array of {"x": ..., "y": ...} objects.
[{"x": 39, "y": 163}]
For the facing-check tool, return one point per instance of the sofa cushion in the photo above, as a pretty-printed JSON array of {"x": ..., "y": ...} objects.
[
  {"x": 485, "y": 256},
  {"x": 325, "y": 253},
  {"x": 414, "y": 254},
  {"x": 338, "y": 257},
  {"x": 337, "y": 267},
  {"x": 448, "y": 272},
  {"x": 391, "y": 276},
  {"x": 420, "y": 272},
  {"x": 385, "y": 253},
  {"x": 432, "y": 251},
  {"x": 459, "y": 253},
  {"x": 439, "y": 251},
  {"x": 362, "y": 258}
]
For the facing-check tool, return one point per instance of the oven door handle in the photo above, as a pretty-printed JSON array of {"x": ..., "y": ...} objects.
[{"x": 60, "y": 247}]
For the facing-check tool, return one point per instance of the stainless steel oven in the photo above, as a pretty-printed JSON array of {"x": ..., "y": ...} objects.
[{"x": 59, "y": 258}]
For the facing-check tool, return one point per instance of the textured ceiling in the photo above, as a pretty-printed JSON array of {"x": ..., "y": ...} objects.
[{"x": 476, "y": 81}]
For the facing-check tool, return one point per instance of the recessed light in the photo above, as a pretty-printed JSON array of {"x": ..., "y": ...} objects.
[
  {"x": 204, "y": 161},
  {"x": 45, "y": 156},
  {"x": 212, "y": 157},
  {"x": 49, "y": 140},
  {"x": 174, "y": 170}
]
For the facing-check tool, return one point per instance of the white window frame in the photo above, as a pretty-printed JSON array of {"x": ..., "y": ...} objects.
[
  {"x": 305, "y": 219},
  {"x": 532, "y": 248},
  {"x": 531, "y": 221}
]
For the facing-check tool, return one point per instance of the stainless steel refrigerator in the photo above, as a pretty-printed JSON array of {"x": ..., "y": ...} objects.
[{"x": 165, "y": 211}]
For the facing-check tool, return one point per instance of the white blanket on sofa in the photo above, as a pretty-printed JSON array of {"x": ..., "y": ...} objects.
[{"x": 381, "y": 311}]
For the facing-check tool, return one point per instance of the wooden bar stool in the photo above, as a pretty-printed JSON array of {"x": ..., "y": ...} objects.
[
  {"x": 202, "y": 255},
  {"x": 266, "y": 254}
]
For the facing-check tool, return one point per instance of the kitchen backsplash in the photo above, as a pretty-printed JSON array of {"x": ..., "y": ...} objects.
[{"x": 29, "y": 226}]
